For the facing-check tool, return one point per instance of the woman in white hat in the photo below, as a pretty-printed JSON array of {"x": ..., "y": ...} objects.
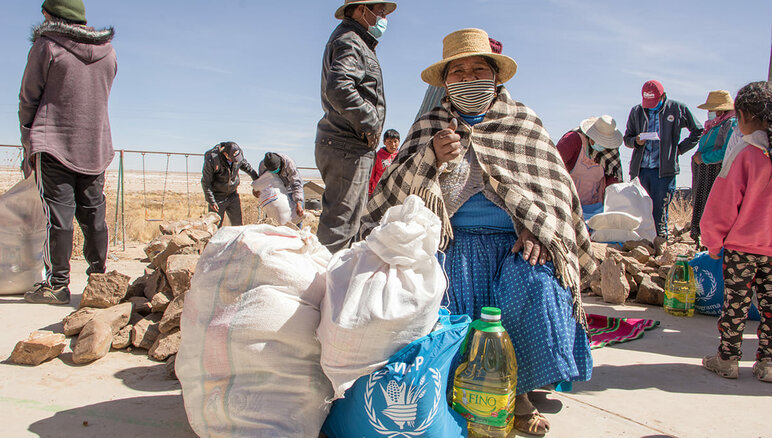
[
  {"x": 512, "y": 221},
  {"x": 591, "y": 155},
  {"x": 706, "y": 162}
]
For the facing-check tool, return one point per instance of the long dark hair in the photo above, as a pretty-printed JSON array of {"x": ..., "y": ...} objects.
[{"x": 755, "y": 101}]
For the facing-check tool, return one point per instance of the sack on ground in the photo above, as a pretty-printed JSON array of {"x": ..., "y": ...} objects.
[
  {"x": 408, "y": 396},
  {"x": 274, "y": 199},
  {"x": 21, "y": 237},
  {"x": 630, "y": 198},
  {"x": 248, "y": 361},
  {"x": 382, "y": 294},
  {"x": 709, "y": 274}
]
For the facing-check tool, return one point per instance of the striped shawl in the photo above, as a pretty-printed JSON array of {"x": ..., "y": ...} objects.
[{"x": 520, "y": 163}]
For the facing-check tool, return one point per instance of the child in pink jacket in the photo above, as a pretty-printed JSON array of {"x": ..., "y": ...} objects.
[{"x": 738, "y": 217}]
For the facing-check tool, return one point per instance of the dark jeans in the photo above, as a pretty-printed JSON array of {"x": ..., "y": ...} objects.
[
  {"x": 661, "y": 191},
  {"x": 230, "y": 205},
  {"x": 67, "y": 195},
  {"x": 346, "y": 175}
]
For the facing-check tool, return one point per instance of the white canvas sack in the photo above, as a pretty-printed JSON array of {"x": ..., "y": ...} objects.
[
  {"x": 630, "y": 198},
  {"x": 382, "y": 294},
  {"x": 21, "y": 237},
  {"x": 274, "y": 199},
  {"x": 617, "y": 220},
  {"x": 248, "y": 360}
]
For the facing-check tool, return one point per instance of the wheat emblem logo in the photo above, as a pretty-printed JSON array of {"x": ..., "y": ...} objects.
[{"x": 402, "y": 404}]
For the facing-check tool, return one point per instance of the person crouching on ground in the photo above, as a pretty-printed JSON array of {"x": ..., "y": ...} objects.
[
  {"x": 285, "y": 168},
  {"x": 384, "y": 157},
  {"x": 738, "y": 217},
  {"x": 512, "y": 224},
  {"x": 590, "y": 171},
  {"x": 220, "y": 180},
  {"x": 65, "y": 132}
]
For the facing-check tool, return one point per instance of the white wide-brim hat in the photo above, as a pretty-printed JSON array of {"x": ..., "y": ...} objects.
[
  {"x": 603, "y": 131},
  {"x": 465, "y": 43}
]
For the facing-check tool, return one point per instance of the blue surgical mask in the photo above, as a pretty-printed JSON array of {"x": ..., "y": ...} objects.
[
  {"x": 380, "y": 27},
  {"x": 597, "y": 147},
  {"x": 659, "y": 105},
  {"x": 711, "y": 115}
]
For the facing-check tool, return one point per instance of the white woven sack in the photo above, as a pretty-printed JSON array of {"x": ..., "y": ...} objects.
[
  {"x": 632, "y": 198},
  {"x": 614, "y": 220},
  {"x": 21, "y": 237},
  {"x": 274, "y": 199},
  {"x": 382, "y": 294},
  {"x": 614, "y": 235},
  {"x": 248, "y": 361}
]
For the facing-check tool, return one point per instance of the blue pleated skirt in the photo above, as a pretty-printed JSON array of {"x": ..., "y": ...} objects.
[{"x": 536, "y": 310}]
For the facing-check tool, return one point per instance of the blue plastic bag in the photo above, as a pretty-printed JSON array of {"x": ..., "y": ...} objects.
[
  {"x": 709, "y": 274},
  {"x": 407, "y": 397}
]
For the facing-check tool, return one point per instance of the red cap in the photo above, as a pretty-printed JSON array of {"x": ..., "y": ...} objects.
[{"x": 652, "y": 91}]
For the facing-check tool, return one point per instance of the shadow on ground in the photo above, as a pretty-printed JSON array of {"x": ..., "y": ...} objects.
[{"x": 162, "y": 415}]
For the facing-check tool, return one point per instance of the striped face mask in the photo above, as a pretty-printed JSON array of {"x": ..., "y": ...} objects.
[{"x": 472, "y": 97}]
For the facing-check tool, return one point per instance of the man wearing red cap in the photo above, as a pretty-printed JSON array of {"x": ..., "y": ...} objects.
[{"x": 654, "y": 134}]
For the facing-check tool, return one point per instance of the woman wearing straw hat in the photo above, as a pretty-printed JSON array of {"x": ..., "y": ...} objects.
[
  {"x": 592, "y": 172},
  {"x": 706, "y": 162},
  {"x": 512, "y": 223}
]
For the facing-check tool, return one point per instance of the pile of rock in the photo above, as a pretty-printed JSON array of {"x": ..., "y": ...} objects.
[
  {"x": 635, "y": 270},
  {"x": 144, "y": 314}
]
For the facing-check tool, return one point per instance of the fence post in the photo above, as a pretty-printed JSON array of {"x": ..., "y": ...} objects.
[
  {"x": 123, "y": 201},
  {"x": 117, "y": 200}
]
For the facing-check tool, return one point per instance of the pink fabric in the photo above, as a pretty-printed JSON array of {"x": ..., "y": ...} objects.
[
  {"x": 569, "y": 147},
  {"x": 589, "y": 179},
  {"x": 738, "y": 214}
]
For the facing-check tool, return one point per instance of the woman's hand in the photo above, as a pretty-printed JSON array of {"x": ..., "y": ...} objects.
[
  {"x": 533, "y": 250},
  {"x": 447, "y": 144},
  {"x": 299, "y": 208}
]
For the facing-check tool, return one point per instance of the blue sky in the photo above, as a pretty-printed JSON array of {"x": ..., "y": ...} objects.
[{"x": 194, "y": 73}]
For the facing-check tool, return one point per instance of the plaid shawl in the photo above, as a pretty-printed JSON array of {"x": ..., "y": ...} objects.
[
  {"x": 610, "y": 161},
  {"x": 520, "y": 163}
]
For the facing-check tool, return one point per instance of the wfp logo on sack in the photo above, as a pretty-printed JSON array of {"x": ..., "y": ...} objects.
[
  {"x": 705, "y": 278},
  {"x": 392, "y": 400}
]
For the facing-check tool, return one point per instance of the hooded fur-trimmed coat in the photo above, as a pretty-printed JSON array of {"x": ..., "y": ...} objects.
[{"x": 64, "y": 93}]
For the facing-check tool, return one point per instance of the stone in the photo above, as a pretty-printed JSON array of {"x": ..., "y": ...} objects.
[
  {"x": 104, "y": 290},
  {"x": 116, "y": 317},
  {"x": 40, "y": 346},
  {"x": 614, "y": 286},
  {"x": 670, "y": 253},
  {"x": 650, "y": 293},
  {"x": 135, "y": 318},
  {"x": 171, "y": 372},
  {"x": 137, "y": 287},
  {"x": 659, "y": 281},
  {"x": 660, "y": 243},
  {"x": 140, "y": 305},
  {"x": 160, "y": 301},
  {"x": 640, "y": 254},
  {"x": 171, "y": 318},
  {"x": 595, "y": 288},
  {"x": 633, "y": 285},
  {"x": 179, "y": 244},
  {"x": 74, "y": 322},
  {"x": 157, "y": 246},
  {"x": 199, "y": 236},
  {"x": 643, "y": 243},
  {"x": 599, "y": 250},
  {"x": 93, "y": 343},
  {"x": 179, "y": 271},
  {"x": 145, "y": 332},
  {"x": 123, "y": 338},
  {"x": 175, "y": 227},
  {"x": 156, "y": 282},
  {"x": 664, "y": 270},
  {"x": 165, "y": 345},
  {"x": 586, "y": 280},
  {"x": 632, "y": 265}
]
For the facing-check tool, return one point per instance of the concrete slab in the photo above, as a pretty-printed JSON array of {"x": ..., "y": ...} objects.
[{"x": 650, "y": 387}]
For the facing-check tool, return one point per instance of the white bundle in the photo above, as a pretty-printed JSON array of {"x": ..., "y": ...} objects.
[{"x": 274, "y": 199}]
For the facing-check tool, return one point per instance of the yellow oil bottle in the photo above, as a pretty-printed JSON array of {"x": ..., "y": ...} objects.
[
  {"x": 680, "y": 288},
  {"x": 485, "y": 382}
]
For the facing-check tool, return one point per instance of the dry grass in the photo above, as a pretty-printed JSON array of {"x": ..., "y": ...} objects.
[{"x": 679, "y": 213}]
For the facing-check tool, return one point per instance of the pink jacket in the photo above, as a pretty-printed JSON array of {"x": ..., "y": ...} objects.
[{"x": 738, "y": 214}]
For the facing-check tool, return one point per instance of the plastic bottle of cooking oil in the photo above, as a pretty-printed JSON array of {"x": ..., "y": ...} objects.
[
  {"x": 680, "y": 289},
  {"x": 485, "y": 382}
]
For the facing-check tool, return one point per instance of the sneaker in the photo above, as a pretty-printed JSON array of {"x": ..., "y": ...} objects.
[
  {"x": 762, "y": 369},
  {"x": 45, "y": 294},
  {"x": 724, "y": 368}
]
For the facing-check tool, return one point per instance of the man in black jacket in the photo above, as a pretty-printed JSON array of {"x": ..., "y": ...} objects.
[
  {"x": 220, "y": 180},
  {"x": 354, "y": 112},
  {"x": 654, "y": 133}
]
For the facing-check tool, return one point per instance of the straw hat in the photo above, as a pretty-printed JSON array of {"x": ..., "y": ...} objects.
[
  {"x": 603, "y": 131},
  {"x": 719, "y": 100},
  {"x": 390, "y": 6},
  {"x": 464, "y": 43}
]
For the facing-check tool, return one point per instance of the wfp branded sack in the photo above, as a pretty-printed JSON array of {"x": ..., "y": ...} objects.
[
  {"x": 274, "y": 199},
  {"x": 407, "y": 397},
  {"x": 248, "y": 361},
  {"x": 382, "y": 294},
  {"x": 709, "y": 274},
  {"x": 21, "y": 237}
]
